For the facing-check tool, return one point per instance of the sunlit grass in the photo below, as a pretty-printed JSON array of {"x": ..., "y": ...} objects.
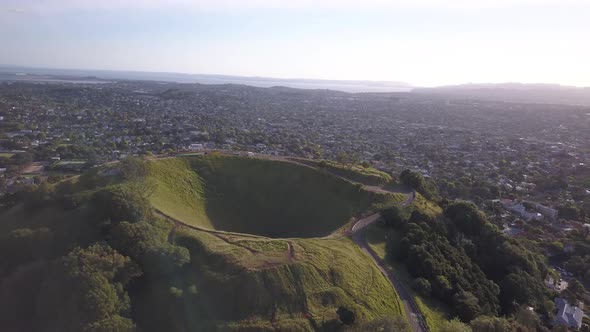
[
  {"x": 265, "y": 197},
  {"x": 306, "y": 288}
]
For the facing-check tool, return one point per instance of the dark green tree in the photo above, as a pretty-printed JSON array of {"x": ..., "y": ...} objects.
[
  {"x": 120, "y": 203},
  {"x": 392, "y": 217},
  {"x": 422, "y": 286},
  {"x": 466, "y": 217},
  {"x": 490, "y": 324},
  {"x": 85, "y": 288},
  {"x": 466, "y": 305}
]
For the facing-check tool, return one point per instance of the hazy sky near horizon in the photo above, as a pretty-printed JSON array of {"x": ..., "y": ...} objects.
[{"x": 422, "y": 42}]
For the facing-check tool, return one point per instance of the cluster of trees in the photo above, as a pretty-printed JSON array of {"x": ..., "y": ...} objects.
[
  {"x": 579, "y": 266},
  {"x": 523, "y": 321},
  {"x": 468, "y": 187},
  {"x": 507, "y": 262},
  {"x": 466, "y": 262},
  {"x": 83, "y": 290},
  {"x": 551, "y": 183},
  {"x": 88, "y": 265},
  {"x": 121, "y": 203},
  {"x": 395, "y": 324},
  {"x": 16, "y": 162},
  {"x": 416, "y": 181},
  {"x": 570, "y": 211},
  {"x": 444, "y": 271}
]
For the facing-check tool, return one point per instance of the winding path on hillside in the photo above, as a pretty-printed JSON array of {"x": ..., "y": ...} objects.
[
  {"x": 412, "y": 310},
  {"x": 223, "y": 235}
]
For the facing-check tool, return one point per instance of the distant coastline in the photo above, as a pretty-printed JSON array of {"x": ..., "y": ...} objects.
[{"x": 17, "y": 73}]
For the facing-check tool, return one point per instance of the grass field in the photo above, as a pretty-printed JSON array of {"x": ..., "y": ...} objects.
[
  {"x": 6, "y": 154},
  {"x": 366, "y": 175},
  {"x": 179, "y": 191},
  {"x": 425, "y": 206},
  {"x": 274, "y": 288},
  {"x": 266, "y": 197}
]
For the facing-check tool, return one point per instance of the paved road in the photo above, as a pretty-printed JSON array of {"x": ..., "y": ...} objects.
[
  {"x": 363, "y": 223},
  {"x": 411, "y": 308}
]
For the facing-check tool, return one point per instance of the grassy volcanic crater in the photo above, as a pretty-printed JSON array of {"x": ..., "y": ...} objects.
[
  {"x": 289, "y": 278},
  {"x": 271, "y": 198}
]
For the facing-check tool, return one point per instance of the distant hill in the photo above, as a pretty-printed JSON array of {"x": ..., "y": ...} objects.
[
  {"x": 37, "y": 74},
  {"x": 515, "y": 92}
]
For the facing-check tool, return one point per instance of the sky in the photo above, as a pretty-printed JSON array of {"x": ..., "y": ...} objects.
[{"x": 421, "y": 42}]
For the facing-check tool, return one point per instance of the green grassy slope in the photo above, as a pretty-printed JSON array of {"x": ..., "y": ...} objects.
[
  {"x": 239, "y": 283},
  {"x": 259, "y": 284},
  {"x": 179, "y": 191},
  {"x": 425, "y": 206},
  {"x": 264, "y": 197},
  {"x": 232, "y": 282},
  {"x": 366, "y": 175}
]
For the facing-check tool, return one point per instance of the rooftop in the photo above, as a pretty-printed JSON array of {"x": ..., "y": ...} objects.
[{"x": 567, "y": 314}]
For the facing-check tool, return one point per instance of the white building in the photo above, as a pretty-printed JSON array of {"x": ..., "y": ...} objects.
[
  {"x": 520, "y": 210},
  {"x": 196, "y": 147}
]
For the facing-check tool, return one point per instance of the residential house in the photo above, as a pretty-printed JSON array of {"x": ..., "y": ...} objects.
[
  {"x": 520, "y": 210},
  {"x": 547, "y": 212},
  {"x": 196, "y": 147},
  {"x": 568, "y": 315}
]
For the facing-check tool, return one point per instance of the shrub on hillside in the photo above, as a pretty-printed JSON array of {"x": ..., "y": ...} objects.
[
  {"x": 454, "y": 325},
  {"x": 346, "y": 316},
  {"x": 491, "y": 324},
  {"x": 392, "y": 217},
  {"x": 395, "y": 324},
  {"x": 416, "y": 181},
  {"x": 122, "y": 204},
  {"x": 146, "y": 243},
  {"x": 422, "y": 286},
  {"x": 133, "y": 168},
  {"x": 25, "y": 245}
]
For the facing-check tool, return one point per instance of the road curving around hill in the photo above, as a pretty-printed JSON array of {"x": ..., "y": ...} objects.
[{"x": 415, "y": 317}]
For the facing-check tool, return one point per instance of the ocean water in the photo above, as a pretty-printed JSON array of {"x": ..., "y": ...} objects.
[{"x": 105, "y": 76}]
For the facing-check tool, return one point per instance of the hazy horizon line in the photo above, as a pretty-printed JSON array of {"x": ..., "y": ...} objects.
[{"x": 263, "y": 77}]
